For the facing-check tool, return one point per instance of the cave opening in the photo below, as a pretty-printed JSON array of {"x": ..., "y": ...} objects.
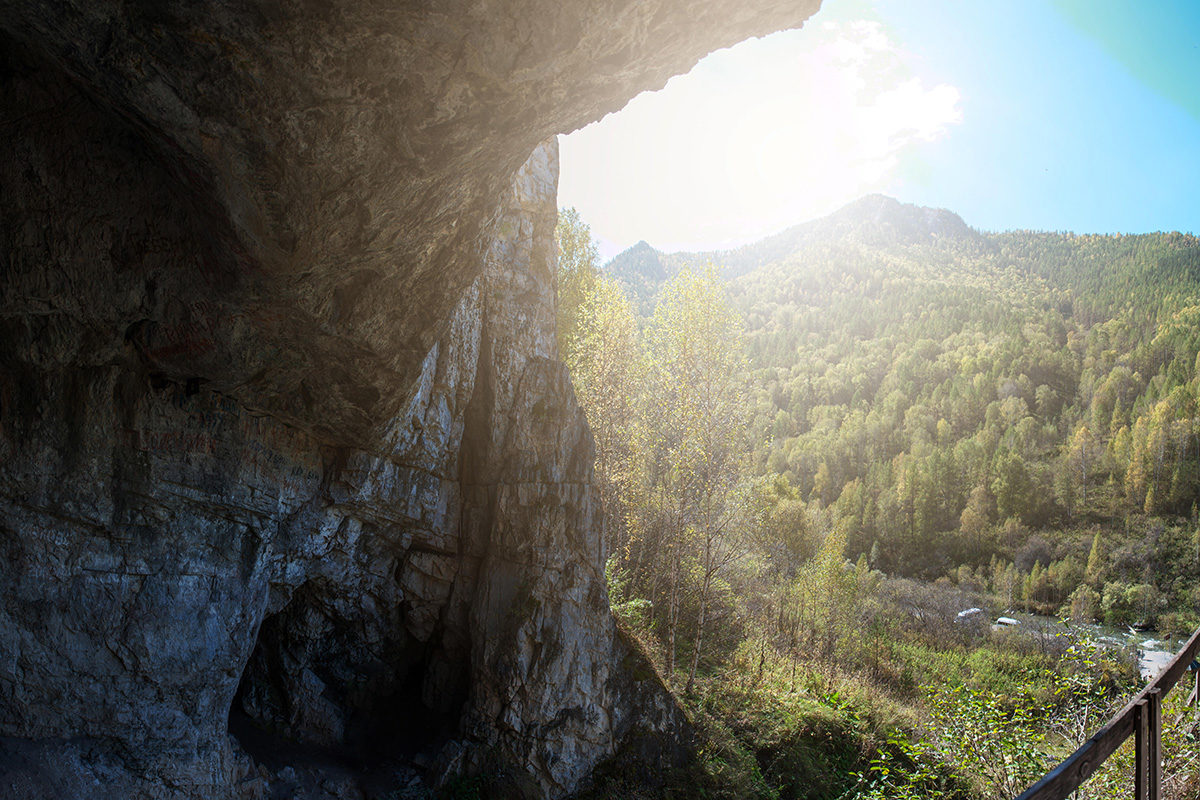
[{"x": 316, "y": 690}]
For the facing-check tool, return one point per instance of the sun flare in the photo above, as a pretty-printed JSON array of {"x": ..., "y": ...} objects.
[{"x": 787, "y": 127}]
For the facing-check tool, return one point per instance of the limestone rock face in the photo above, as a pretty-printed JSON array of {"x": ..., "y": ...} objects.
[
  {"x": 177, "y": 564},
  {"x": 552, "y": 682},
  {"x": 347, "y": 156},
  {"x": 285, "y": 447}
]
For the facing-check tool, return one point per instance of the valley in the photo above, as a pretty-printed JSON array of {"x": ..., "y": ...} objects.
[{"x": 897, "y": 417}]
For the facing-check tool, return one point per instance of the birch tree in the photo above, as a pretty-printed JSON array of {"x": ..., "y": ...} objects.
[{"x": 696, "y": 414}]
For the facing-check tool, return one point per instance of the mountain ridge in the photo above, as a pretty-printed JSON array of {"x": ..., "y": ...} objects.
[
  {"x": 878, "y": 227},
  {"x": 874, "y": 220}
]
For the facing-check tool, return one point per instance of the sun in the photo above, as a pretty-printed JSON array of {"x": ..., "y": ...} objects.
[{"x": 757, "y": 137}]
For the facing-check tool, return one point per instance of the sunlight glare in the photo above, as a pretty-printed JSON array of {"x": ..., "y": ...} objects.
[{"x": 755, "y": 138}]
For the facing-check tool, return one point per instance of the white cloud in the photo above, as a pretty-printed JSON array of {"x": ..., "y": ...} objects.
[{"x": 756, "y": 137}]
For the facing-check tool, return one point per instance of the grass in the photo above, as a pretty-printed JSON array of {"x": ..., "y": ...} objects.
[
  {"x": 773, "y": 729},
  {"x": 781, "y": 734}
]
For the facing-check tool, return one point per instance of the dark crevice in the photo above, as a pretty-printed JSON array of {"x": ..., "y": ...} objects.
[{"x": 312, "y": 693}]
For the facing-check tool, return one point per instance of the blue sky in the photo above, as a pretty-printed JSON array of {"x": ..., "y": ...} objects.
[{"x": 1077, "y": 115}]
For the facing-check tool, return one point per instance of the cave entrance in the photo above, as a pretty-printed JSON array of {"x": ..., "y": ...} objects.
[{"x": 350, "y": 692}]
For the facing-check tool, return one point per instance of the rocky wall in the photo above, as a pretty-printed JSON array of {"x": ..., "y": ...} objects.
[
  {"x": 178, "y": 564},
  {"x": 285, "y": 448},
  {"x": 348, "y": 156}
]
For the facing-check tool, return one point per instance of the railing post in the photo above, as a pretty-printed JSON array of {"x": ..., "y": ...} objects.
[
  {"x": 1141, "y": 743},
  {"x": 1195, "y": 698},
  {"x": 1154, "y": 778}
]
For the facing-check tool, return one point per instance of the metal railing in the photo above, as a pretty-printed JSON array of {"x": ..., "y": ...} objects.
[{"x": 1140, "y": 718}]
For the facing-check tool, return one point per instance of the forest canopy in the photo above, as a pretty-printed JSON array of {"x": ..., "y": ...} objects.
[
  {"x": 996, "y": 408},
  {"x": 819, "y": 449}
]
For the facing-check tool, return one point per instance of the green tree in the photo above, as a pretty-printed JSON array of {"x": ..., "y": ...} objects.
[
  {"x": 605, "y": 366},
  {"x": 1012, "y": 486},
  {"x": 1095, "y": 563},
  {"x": 974, "y": 522},
  {"x": 695, "y": 417},
  {"x": 577, "y": 257},
  {"x": 1079, "y": 460}
]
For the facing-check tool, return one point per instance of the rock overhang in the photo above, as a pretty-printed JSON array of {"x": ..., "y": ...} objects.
[
  {"x": 349, "y": 157},
  {"x": 279, "y": 366}
]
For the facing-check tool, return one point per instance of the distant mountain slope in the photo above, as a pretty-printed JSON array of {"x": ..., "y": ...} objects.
[
  {"x": 638, "y": 262},
  {"x": 641, "y": 271},
  {"x": 874, "y": 220},
  {"x": 905, "y": 368}
]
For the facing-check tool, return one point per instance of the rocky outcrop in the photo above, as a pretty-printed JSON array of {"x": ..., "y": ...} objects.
[
  {"x": 552, "y": 683},
  {"x": 285, "y": 449},
  {"x": 172, "y": 555},
  {"x": 348, "y": 156}
]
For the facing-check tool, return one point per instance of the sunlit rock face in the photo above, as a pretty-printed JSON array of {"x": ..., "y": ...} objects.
[{"x": 285, "y": 448}]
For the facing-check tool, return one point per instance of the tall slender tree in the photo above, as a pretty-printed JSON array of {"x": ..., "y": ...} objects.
[
  {"x": 577, "y": 267},
  {"x": 696, "y": 409},
  {"x": 605, "y": 366}
]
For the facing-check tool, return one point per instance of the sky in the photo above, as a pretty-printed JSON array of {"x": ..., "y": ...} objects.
[{"x": 1071, "y": 115}]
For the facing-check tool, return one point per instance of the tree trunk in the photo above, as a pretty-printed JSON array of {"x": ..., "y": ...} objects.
[
  {"x": 672, "y": 616},
  {"x": 691, "y": 681}
]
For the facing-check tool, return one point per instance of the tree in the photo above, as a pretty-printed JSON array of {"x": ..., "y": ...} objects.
[
  {"x": 1195, "y": 534},
  {"x": 975, "y": 521},
  {"x": 605, "y": 366},
  {"x": 1095, "y": 562},
  {"x": 695, "y": 412},
  {"x": 1080, "y": 453},
  {"x": 577, "y": 257},
  {"x": 1012, "y": 486},
  {"x": 1136, "y": 477},
  {"x": 824, "y": 596},
  {"x": 783, "y": 533}
]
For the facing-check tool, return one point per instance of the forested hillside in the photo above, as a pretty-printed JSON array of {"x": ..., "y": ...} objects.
[
  {"x": 958, "y": 398},
  {"x": 816, "y": 450}
]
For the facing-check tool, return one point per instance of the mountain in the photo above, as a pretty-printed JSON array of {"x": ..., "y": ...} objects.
[
  {"x": 949, "y": 393},
  {"x": 641, "y": 270},
  {"x": 881, "y": 220},
  {"x": 638, "y": 262},
  {"x": 874, "y": 220},
  {"x": 946, "y": 392}
]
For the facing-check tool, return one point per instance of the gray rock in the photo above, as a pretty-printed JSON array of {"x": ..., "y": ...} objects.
[{"x": 285, "y": 446}]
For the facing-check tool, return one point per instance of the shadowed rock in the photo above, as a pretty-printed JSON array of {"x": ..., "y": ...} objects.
[{"x": 282, "y": 425}]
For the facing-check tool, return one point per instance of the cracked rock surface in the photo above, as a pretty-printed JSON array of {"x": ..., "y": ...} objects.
[{"x": 295, "y": 497}]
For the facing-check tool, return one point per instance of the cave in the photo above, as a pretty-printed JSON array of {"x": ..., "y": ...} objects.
[
  {"x": 284, "y": 439},
  {"x": 312, "y": 685}
]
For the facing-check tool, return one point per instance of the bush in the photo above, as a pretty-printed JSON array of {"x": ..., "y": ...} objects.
[
  {"x": 1083, "y": 605},
  {"x": 1138, "y": 604}
]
